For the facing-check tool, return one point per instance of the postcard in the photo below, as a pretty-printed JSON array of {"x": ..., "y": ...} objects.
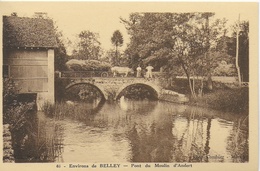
[{"x": 129, "y": 85}]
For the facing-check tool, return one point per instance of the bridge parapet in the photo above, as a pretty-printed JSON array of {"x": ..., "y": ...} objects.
[{"x": 113, "y": 86}]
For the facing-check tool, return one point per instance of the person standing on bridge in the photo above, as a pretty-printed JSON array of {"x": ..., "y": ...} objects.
[
  {"x": 149, "y": 71},
  {"x": 138, "y": 69}
]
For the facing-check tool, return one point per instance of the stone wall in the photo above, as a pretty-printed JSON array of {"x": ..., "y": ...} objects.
[
  {"x": 8, "y": 152},
  {"x": 172, "y": 96}
]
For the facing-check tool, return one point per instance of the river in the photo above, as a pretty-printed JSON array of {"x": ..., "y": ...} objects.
[{"x": 138, "y": 131}]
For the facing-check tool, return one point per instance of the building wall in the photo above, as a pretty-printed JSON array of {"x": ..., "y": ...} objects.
[{"x": 32, "y": 70}]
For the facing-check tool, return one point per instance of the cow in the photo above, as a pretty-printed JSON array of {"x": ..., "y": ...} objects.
[{"x": 121, "y": 70}]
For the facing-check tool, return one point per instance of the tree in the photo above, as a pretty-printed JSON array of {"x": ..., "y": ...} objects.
[
  {"x": 237, "y": 51},
  {"x": 240, "y": 47},
  {"x": 244, "y": 50},
  {"x": 150, "y": 37},
  {"x": 87, "y": 46},
  {"x": 61, "y": 56},
  {"x": 110, "y": 56},
  {"x": 173, "y": 40},
  {"x": 198, "y": 56},
  {"x": 117, "y": 40}
]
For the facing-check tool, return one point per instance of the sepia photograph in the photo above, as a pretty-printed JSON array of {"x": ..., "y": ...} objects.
[{"x": 129, "y": 85}]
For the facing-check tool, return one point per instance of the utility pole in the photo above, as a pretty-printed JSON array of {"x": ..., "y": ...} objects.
[{"x": 237, "y": 51}]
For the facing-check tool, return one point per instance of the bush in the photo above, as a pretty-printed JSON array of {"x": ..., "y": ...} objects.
[
  {"x": 227, "y": 100},
  {"x": 48, "y": 109},
  {"x": 15, "y": 111},
  {"x": 9, "y": 95},
  {"x": 224, "y": 69},
  {"x": 17, "y": 115}
]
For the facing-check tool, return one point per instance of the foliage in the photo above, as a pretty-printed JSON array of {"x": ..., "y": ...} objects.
[
  {"x": 226, "y": 100},
  {"x": 17, "y": 115},
  {"x": 37, "y": 145},
  {"x": 87, "y": 65},
  {"x": 60, "y": 52},
  {"x": 174, "y": 40},
  {"x": 117, "y": 39},
  {"x": 116, "y": 59},
  {"x": 224, "y": 69},
  {"x": 78, "y": 110},
  {"x": 244, "y": 50},
  {"x": 133, "y": 60},
  {"x": 226, "y": 45},
  {"x": 243, "y": 53},
  {"x": 150, "y": 39},
  {"x": 48, "y": 108},
  {"x": 9, "y": 94},
  {"x": 87, "y": 46},
  {"x": 15, "y": 112}
]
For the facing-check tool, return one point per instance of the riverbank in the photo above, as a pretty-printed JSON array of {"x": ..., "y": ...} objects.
[
  {"x": 226, "y": 96},
  {"x": 235, "y": 100}
]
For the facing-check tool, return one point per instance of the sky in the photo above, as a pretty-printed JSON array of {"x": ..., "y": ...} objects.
[{"x": 103, "y": 17}]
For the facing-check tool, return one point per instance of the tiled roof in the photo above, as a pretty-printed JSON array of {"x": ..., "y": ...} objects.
[{"x": 28, "y": 32}]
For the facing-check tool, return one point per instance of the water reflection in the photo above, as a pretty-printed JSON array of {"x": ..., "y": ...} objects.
[
  {"x": 143, "y": 131},
  {"x": 238, "y": 140}
]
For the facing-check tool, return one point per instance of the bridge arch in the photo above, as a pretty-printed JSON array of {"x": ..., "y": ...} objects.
[
  {"x": 100, "y": 88},
  {"x": 153, "y": 87}
]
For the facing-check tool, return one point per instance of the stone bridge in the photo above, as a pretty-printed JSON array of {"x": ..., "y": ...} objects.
[{"x": 115, "y": 86}]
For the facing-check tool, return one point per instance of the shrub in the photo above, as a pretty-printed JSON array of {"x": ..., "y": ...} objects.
[
  {"x": 48, "y": 109},
  {"x": 17, "y": 115},
  {"x": 14, "y": 111},
  {"x": 227, "y": 100},
  {"x": 9, "y": 95}
]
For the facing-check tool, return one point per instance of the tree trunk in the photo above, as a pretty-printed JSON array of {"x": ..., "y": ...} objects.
[
  {"x": 193, "y": 83},
  {"x": 201, "y": 88},
  {"x": 117, "y": 62},
  {"x": 237, "y": 50},
  {"x": 209, "y": 79},
  {"x": 209, "y": 82},
  {"x": 193, "y": 94}
]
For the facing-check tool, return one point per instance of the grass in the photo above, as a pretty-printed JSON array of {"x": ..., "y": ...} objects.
[
  {"x": 78, "y": 110},
  {"x": 234, "y": 100}
]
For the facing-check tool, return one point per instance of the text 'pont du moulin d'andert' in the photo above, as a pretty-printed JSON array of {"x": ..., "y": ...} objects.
[{"x": 133, "y": 165}]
